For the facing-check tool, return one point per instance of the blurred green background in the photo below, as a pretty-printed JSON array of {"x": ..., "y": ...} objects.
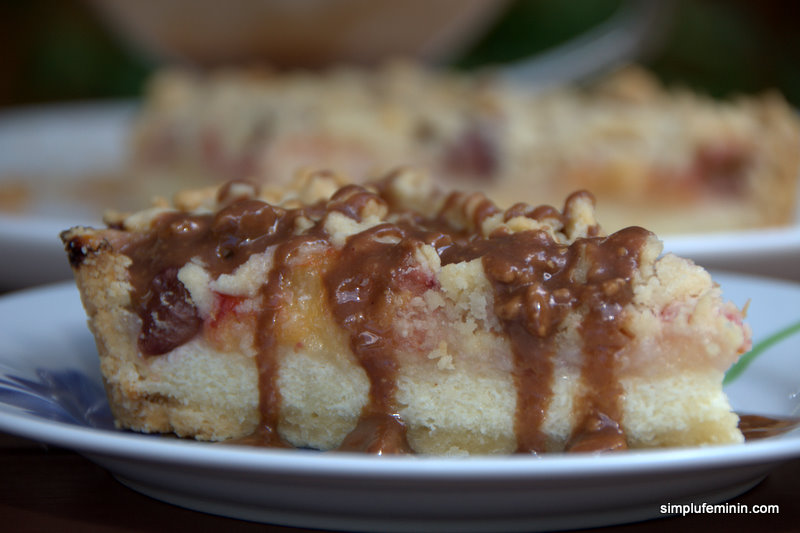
[{"x": 57, "y": 50}]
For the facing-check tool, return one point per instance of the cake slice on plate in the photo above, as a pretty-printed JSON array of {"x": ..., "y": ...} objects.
[{"x": 394, "y": 318}]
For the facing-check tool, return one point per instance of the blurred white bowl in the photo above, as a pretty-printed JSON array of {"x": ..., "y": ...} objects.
[{"x": 299, "y": 33}]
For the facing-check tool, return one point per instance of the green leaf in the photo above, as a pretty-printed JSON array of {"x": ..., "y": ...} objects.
[{"x": 736, "y": 370}]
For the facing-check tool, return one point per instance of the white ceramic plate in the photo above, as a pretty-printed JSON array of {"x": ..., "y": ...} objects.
[
  {"x": 54, "y": 148},
  {"x": 51, "y": 391},
  {"x": 767, "y": 252}
]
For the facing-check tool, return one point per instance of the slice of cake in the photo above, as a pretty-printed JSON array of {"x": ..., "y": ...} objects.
[
  {"x": 673, "y": 160},
  {"x": 393, "y": 318}
]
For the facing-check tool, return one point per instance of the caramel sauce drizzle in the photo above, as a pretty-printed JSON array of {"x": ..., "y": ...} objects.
[
  {"x": 756, "y": 427},
  {"x": 536, "y": 286},
  {"x": 359, "y": 289},
  {"x": 537, "y": 282},
  {"x": 606, "y": 291}
]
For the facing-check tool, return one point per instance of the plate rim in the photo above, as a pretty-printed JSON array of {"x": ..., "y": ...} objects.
[{"x": 131, "y": 445}]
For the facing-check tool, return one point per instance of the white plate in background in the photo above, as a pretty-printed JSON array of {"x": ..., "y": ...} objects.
[
  {"x": 49, "y": 150},
  {"x": 54, "y": 148},
  {"x": 766, "y": 252},
  {"x": 51, "y": 391}
]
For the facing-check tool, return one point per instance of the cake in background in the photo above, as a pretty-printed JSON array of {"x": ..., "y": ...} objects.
[{"x": 666, "y": 158}]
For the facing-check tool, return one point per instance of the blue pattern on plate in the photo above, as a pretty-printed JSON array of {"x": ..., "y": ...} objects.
[{"x": 60, "y": 395}]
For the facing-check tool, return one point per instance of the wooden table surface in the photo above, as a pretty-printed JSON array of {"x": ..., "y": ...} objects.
[{"x": 46, "y": 489}]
